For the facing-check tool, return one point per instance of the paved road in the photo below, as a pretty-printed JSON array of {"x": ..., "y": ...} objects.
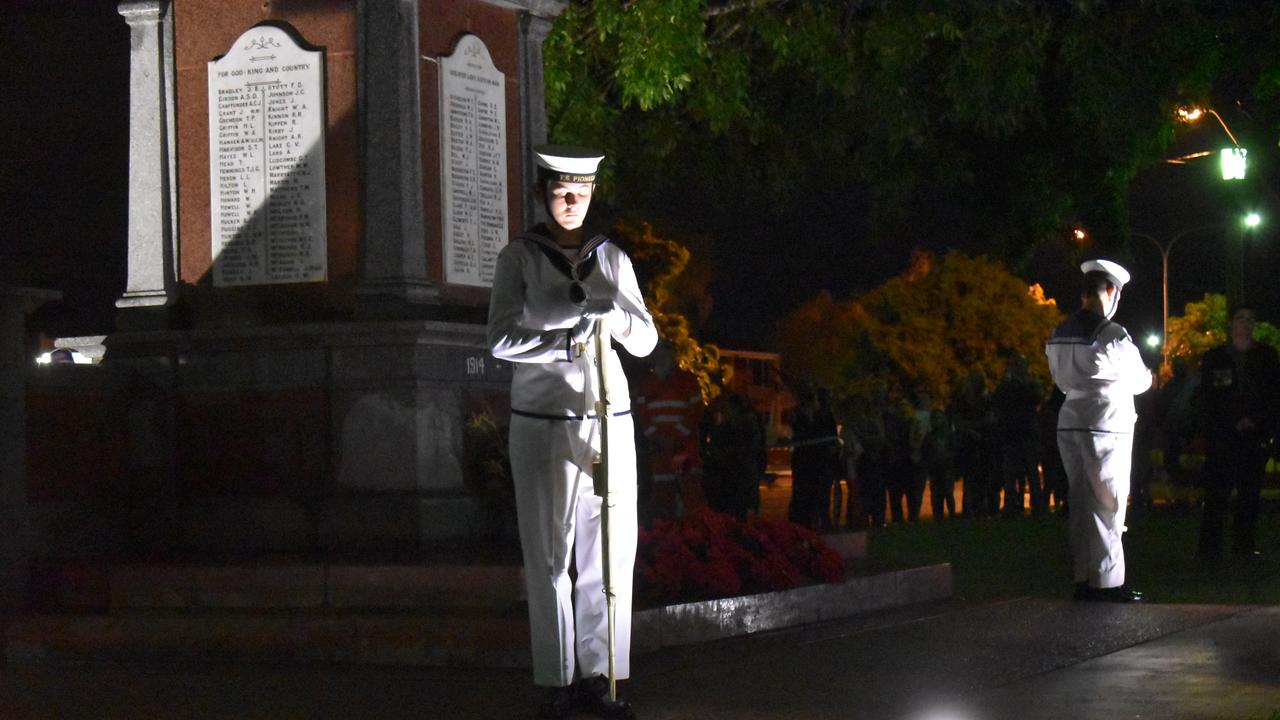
[{"x": 1025, "y": 659}]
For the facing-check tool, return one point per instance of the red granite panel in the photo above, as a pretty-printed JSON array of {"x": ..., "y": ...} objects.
[
  {"x": 441, "y": 24},
  {"x": 204, "y": 30},
  {"x": 254, "y": 442},
  {"x": 76, "y": 444}
]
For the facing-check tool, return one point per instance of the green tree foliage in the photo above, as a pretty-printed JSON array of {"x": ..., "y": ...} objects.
[
  {"x": 1205, "y": 325},
  {"x": 660, "y": 262},
  {"x": 925, "y": 329},
  {"x": 995, "y": 120}
]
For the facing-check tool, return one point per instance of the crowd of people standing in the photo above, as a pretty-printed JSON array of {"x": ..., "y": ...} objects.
[
  {"x": 870, "y": 460},
  {"x": 861, "y": 463}
]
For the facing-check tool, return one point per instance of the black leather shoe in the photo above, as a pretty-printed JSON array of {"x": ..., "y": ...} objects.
[
  {"x": 1081, "y": 591},
  {"x": 558, "y": 703},
  {"x": 593, "y": 697},
  {"x": 1119, "y": 594}
]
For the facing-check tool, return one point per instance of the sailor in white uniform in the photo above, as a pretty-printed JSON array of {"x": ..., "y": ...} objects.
[
  {"x": 551, "y": 284},
  {"x": 1098, "y": 366}
]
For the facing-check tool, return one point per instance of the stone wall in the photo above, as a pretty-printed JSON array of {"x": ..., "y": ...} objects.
[{"x": 325, "y": 439}]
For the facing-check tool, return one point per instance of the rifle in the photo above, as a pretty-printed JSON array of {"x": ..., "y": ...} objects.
[{"x": 600, "y": 480}]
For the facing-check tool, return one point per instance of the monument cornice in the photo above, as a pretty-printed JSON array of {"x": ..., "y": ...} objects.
[
  {"x": 542, "y": 8},
  {"x": 140, "y": 10}
]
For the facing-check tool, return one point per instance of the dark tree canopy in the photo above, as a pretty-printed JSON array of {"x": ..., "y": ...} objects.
[
  {"x": 981, "y": 125},
  {"x": 925, "y": 329}
]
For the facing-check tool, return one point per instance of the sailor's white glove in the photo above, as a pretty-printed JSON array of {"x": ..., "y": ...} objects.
[
  {"x": 619, "y": 322},
  {"x": 598, "y": 308}
]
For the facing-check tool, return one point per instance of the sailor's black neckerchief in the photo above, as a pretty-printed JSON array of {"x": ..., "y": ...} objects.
[
  {"x": 1082, "y": 328},
  {"x": 540, "y": 236},
  {"x": 587, "y": 261}
]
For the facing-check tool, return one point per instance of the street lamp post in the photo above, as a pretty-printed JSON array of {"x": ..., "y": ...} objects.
[
  {"x": 1233, "y": 171},
  {"x": 1251, "y": 223},
  {"x": 1192, "y": 114},
  {"x": 1165, "y": 249}
]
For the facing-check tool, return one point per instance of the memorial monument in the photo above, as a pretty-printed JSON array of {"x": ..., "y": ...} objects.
[{"x": 318, "y": 192}]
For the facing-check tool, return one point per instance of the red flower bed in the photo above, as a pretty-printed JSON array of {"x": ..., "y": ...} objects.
[{"x": 708, "y": 555}]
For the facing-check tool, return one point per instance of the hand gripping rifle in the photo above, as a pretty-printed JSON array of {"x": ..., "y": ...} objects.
[{"x": 600, "y": 479}]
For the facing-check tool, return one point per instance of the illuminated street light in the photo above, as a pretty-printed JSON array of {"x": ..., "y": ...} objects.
[
  {"x": 1252, "y": 220},
  {"x": 1233, "y": 158},
  {"x": 1153, "y": 341},
  {"x": 1234, "y": 163},
  {"x": 1189, "y": 114},
  {"x": 1192, "y": 113}
]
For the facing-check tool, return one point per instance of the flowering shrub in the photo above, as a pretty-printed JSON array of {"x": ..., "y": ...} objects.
[
  {"x": 708, "y": 555},
  {"x": 487, "y": 472}
]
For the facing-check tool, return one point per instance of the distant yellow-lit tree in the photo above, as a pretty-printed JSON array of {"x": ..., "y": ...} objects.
[
  {"x": 925, "y": 329},
  {"x": 659, "y": 263},
  {"x": 1204, "y": 325}
]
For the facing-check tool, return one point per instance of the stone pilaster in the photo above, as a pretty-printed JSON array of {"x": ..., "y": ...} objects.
[
  {"x": 152, "y": 271},
  {"x": 393, "y": 254},
  {"x": 534, "y": 29}
]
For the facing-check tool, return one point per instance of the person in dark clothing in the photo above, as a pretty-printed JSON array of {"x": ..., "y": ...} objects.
[
  {"x": 1145, "y": 431},
  {"x": 938, "y": 453},
  {"x": 902, "y": 462},
  {"x": 973, "y": 419},
  {"x": 869, "y": 426},
  {"x": 852, "y": 420},
  {"x": 1015, "y": 401},
  {"x": 1055, "y": 475},
  {"x": 732, "y": 456},
  {"x": 1237, "y": 402},
  {"x": 921, "y": 422},
  {"x": 814, "y": 453},
  {"x": 1176, "y": 417}
]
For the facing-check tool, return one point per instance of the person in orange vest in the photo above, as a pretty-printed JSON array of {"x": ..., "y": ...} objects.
[{"x": 669, "y": 413}]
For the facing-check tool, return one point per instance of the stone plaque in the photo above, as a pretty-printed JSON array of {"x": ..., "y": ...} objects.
[
  {"x": 473, "y": 172},
  {"x": 266, "y": 161}
]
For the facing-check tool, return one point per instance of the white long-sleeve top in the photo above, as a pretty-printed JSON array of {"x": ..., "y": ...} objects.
[
  {"x": 531, "y": 317},
  {"x": 1099, "y": 368}
]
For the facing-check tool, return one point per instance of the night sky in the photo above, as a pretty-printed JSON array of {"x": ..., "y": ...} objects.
[
  {"x": 1189, "y": 200},
  {"x": 64, "y": 67},
  {"x": 64, "y": 70}
]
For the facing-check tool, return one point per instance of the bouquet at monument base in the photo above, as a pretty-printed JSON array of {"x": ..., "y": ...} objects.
[{"x": 707, "y": 555}]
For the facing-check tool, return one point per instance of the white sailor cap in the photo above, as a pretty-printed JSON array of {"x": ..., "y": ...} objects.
[
  {"x": 567, "y": 163},
  {"x": 1113, "y": 270}
]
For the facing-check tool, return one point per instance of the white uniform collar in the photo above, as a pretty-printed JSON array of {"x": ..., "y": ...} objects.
[{"x": 539, "y": 236}]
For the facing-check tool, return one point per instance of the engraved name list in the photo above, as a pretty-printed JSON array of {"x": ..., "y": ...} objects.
[
  {"x": 473, "y": 173},
  {"x": 266, "y": 161}
]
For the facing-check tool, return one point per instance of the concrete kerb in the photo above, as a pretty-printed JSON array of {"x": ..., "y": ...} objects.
[{"x": 698, "y": 622}]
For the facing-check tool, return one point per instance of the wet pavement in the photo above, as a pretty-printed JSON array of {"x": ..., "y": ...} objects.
[{"x": 1027, "y": 659}]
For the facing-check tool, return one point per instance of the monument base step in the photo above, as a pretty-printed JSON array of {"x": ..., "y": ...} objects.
[
  {"x": 493, "y": 640},
  {"x": 481, "y": 635},
  {"x": 280, "y": 586},
  {"x": 284, "y": 584}
]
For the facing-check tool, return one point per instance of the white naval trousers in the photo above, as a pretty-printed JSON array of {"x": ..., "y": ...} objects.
[
  {"x": 1097, "y": 465},
  {"x": 558, "y": 513}
]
